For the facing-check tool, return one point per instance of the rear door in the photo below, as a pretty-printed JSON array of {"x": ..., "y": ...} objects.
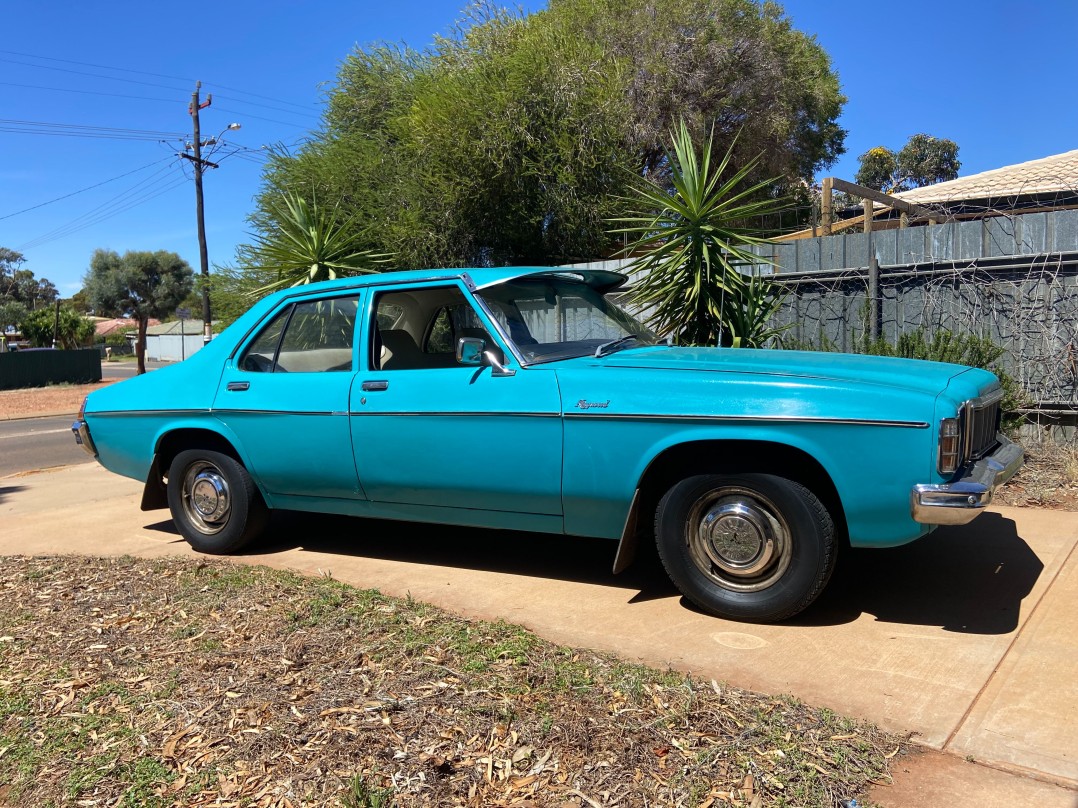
[{"x": 284, "y": 393}]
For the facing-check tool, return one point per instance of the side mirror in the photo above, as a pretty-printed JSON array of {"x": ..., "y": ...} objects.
[{"x": 470, "y": 351}]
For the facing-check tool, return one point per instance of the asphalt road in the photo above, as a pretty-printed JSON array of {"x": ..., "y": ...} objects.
[
  {"x": 125, "y": 370},
  {"x": 29, "y": 444},
  {"x": 38, "y": 443}
]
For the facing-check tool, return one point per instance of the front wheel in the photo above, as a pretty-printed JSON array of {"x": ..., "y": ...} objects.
[
  {"x": 214, "y": 502},
  {"x": 750, "y": 547}
]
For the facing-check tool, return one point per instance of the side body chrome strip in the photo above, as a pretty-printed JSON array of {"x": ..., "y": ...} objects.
[
  {"x": 780, "y": 419},
  {"x": 589, "y": 415}
]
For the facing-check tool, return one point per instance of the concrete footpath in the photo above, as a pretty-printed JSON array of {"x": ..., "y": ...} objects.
[{"x": 968, "y": 638}]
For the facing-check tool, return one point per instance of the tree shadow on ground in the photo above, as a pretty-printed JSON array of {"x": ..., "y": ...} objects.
[
  {"x": 969, "y": 579},
  {"x": 7, "y": 490}
]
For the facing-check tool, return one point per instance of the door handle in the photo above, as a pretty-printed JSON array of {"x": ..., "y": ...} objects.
[
  {"x": 373, "y": 386},
  {"x": 237, "y": 387}
]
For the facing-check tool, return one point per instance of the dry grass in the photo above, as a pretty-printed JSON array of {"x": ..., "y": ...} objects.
[
  {"x": 169, "y": 682},
  {"x": 1049, "y": 478}
]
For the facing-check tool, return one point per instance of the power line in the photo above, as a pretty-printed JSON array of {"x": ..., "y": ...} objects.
[
  {"x": 137, "y": 194},
  {"x": 41, "y": 240},
  {"x": 306, "y": 114},
  {"x": 83, "y": 190},
  {"x": 89, "y": 64},
  {"x": 305, "y": 107},
  {"x": 92, "y": 75},
  {"x": 85, "y": 92},
  {"x": 85, "y": 219},
  {"x": 79, "y": 134},
  {"x": 87, "y": 126},
  {"x": 260, "y": 118},
  {"x": 13, "y": 126}
]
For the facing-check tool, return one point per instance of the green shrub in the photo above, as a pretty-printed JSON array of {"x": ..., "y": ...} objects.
[{"x": 944, "y": 346}]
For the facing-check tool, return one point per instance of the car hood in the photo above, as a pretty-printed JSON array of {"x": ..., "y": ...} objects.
[{"x": 906, "y": 374}]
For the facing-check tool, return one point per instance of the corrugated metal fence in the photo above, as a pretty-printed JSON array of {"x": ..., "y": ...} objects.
[{"x": 1012, "y": 279}]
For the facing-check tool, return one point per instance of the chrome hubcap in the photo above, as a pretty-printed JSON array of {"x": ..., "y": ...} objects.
[
  {"x": 738, "y": 539},
  {"x": 206, "y": 498}
]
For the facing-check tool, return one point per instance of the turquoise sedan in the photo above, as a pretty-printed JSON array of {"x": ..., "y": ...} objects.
[{"x": 526, "y": 399}]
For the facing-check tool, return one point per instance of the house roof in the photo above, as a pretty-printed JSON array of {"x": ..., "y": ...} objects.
[
  {"x": 1048, "y": 175},
  {"x": 103, "y": 327}
]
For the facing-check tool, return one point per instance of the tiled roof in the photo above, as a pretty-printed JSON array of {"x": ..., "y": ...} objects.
[
  {"x": 1047, "y": 175},
  {"x": 103, "y": 327}
]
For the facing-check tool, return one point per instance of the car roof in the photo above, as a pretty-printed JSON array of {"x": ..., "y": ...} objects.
[{"x": 477, "y": 277}]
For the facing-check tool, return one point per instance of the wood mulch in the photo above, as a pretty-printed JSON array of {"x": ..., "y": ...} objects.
[{"x": 177, "y": 683}]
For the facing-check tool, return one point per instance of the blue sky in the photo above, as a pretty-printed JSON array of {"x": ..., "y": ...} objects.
[{"x": 999, "y": 78}]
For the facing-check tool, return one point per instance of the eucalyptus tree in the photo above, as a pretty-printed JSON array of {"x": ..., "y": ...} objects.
[
  {"x": 139, "y": 285},
  {"x": 515, "y": 136}
]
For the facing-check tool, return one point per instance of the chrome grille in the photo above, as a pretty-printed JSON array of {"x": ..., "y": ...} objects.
[{"x": 980, "y": 423}]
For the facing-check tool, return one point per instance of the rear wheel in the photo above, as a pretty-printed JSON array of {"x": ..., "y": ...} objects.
[
  {"x": 751, "y": 547},
  {"x": 214, "y": 502}
]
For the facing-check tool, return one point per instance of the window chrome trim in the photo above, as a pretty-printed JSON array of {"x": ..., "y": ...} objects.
[
  {"x": 786, "y": 419},
  {"x": 483, "y": 307},
  {"x": 356, "y": 291}
]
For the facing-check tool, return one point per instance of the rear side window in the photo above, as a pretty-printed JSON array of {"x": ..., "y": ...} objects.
[
  {"x": 261, "y": 354},
  {"x": 317, "y": 338}
]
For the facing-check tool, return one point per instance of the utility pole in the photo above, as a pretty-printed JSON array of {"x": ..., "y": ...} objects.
[{"x": 203, "y": 255}]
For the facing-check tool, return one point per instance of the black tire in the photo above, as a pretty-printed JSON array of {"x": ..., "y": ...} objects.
[
  {"x": 214, "y": 502},
  {"x": 751, "y": 547}
]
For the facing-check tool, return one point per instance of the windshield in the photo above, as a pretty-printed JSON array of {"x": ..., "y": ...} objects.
[{"x": 556, "y": 318}]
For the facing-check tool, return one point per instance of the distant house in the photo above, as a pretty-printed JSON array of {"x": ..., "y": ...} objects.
[
  {"x": 174, "y": 341},
  {"x": 103, "y": 326},
  {"x": 1049, "y": 183}
]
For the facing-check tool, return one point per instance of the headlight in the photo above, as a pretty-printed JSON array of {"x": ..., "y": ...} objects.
[{"x": 950, "y": 446}]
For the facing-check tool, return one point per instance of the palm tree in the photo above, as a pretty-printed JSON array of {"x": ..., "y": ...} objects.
[
  {"x": 305, "y": 244},
  {"x": 691, "y": 242}
]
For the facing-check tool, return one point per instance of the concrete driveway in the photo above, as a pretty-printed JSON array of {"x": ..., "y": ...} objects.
[{"x": 967, "y": 638}]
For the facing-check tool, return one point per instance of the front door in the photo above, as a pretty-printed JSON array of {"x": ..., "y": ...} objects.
[{"x": 429, "y": 431}]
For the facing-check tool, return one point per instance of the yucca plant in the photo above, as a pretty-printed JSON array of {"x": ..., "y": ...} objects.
[
  {"x": 691, "y": 242},
  {"x": 748, "y": 314},
  {"x": 307, "y": 243}
]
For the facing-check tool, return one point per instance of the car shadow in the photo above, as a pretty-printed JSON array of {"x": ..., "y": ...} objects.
[
  {"x": 969, "y": 579},
  {"x": 540, "y": 555}
]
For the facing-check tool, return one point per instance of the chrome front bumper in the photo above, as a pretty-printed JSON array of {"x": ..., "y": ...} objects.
[
  {"x": 82, "y": 437},
  {"x": 961, "y": 501}
]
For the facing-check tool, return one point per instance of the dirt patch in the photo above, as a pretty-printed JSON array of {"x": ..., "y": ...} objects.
[
  {"x": 170, "y": 682},
  {"x": 56, "y": 399}
]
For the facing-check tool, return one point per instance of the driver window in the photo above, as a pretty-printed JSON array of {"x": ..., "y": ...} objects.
[{"x": 418, "y": 329}]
